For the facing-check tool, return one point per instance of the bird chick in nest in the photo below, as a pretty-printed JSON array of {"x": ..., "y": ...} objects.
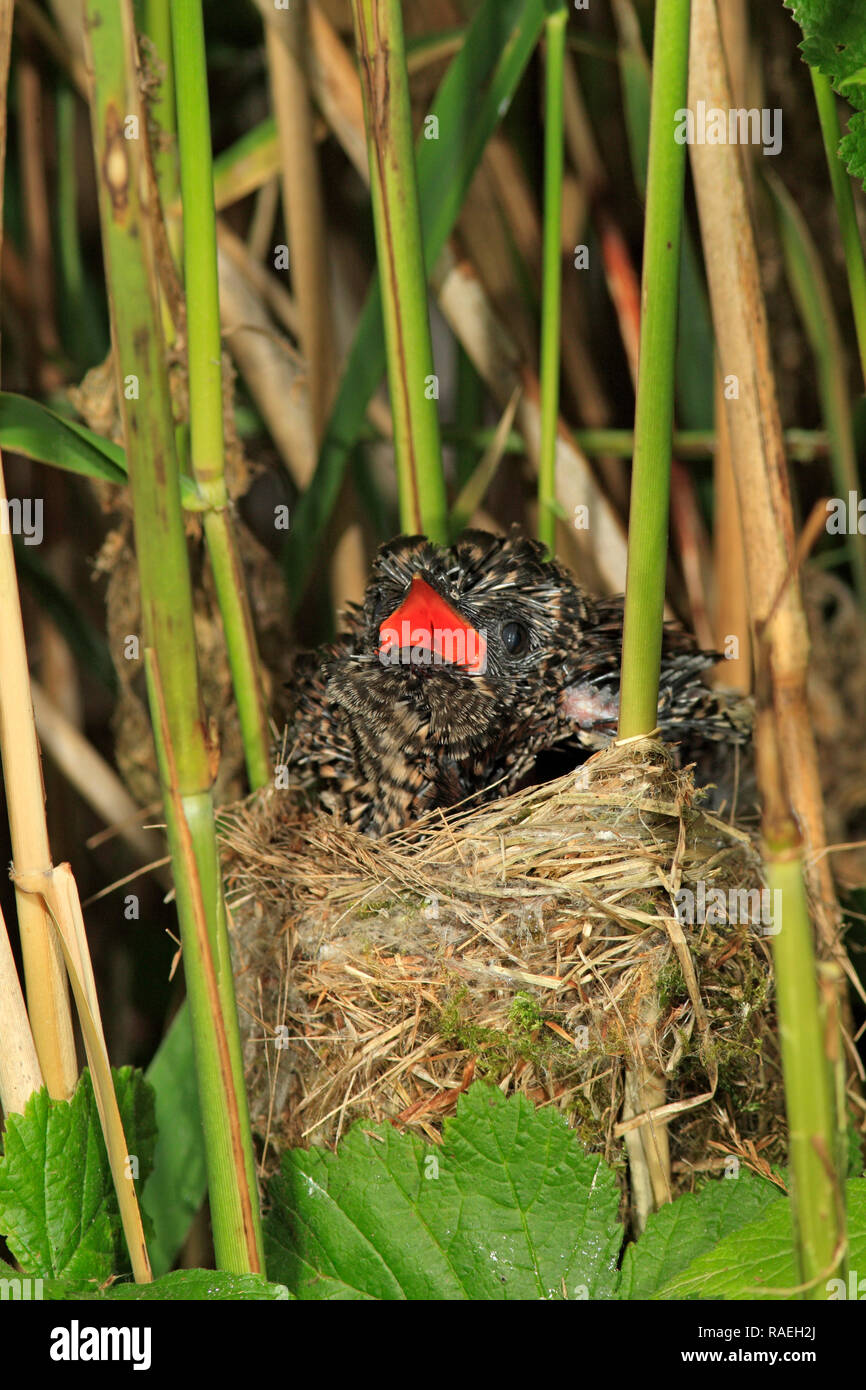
[{"x": 465, "y": 669}]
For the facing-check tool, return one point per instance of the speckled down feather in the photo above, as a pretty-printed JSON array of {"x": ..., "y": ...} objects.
[{"x": 382, "y": 738}]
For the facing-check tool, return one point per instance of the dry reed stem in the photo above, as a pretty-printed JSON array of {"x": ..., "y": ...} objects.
[
  {"x": 273, "y": 373},
  {"x": 740, "y": 319},
  {"x": 47, "y": 998},
  {"x": 20, "y": 1073},
  {"x": 732, "y": 600},
  {"x": 271, "y": 291}
]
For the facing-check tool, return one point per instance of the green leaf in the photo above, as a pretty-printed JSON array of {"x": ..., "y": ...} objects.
[
  {"x": 758, "y": 1262},
  {"x": 238, "y": 170},
  {"x": 510, "y": 1207},
  {"x": 184, "y": 1285},
  {"x": 474, "y": 94},
  {"x": 178, "y": 1183},
  {"x": 834, "y": 42},
  {"x": 58, "y": 1209},
  {"x": 32, "y": 429},
  {"x": 679, "y": 1233}
]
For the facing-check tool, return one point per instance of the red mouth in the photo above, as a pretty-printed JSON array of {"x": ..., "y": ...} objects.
[{"x": 426, "y": 626}]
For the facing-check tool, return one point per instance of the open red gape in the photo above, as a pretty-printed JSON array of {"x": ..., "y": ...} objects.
[{"x": 426, "y": 622}]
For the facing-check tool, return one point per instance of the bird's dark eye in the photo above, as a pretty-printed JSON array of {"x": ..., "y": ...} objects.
[{"x": 515, "y": 638}]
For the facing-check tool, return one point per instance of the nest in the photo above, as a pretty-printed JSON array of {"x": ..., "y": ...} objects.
[{"x": 538, "y": 942}]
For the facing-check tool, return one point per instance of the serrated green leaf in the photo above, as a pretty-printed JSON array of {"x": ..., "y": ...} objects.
[
  {"x": 510, "y": 1207},
  {"x": 852, "y": 148},
  {"x": 58, "y": 1209},
  {"x": 677, "y": 1234},
  {"x": 758, "y": 1260},
  {"x": 834, "y": 42},
  {"x": 185, "y": 1285},
  {"x": 834, "y": 39},
  {"x": 182, "y": 1285}
]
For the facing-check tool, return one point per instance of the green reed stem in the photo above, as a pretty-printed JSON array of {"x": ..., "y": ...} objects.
[
  {"x": 204, "y": 348},
  {"x": 168, "y": 635},
  {"x": 650, "y": 491},
  {"x": 551, "y": 280},
  {"x": 817, "y": 1185}
]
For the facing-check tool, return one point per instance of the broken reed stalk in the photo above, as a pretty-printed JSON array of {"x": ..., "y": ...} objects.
[
  {"x": 399, "y": 252},
  {"x": 20, "y": 1075},
  {"x": 168, "y": 638},
  {"x": 59, "y": 892},
  {"x": 47, "y": 996},
  {"x": 654, "y": 407},
  {"x": 551, "y": 278},
  {"x": 791, "y": 794},
  {"x": 825, "y": 100},
  {"x": 204, "y": 352}
]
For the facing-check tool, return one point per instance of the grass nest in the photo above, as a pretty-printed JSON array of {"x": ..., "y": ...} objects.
[{"x": 534, "y": 942}]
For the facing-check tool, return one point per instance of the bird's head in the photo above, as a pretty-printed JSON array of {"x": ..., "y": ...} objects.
[{"x": 464, "y": 638}]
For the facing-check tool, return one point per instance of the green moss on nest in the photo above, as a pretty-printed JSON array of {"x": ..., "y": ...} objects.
[
  {"x": 372, "y": 909},
  {"x": 590, "y": 1128},
  {"x": 671, "y": 985},
  {"x": 525, "y": 1014},
  {"x": 496, "y": 1050}
]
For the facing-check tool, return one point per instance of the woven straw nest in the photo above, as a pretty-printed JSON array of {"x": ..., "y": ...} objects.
[{"x": 532, "y": 942}]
